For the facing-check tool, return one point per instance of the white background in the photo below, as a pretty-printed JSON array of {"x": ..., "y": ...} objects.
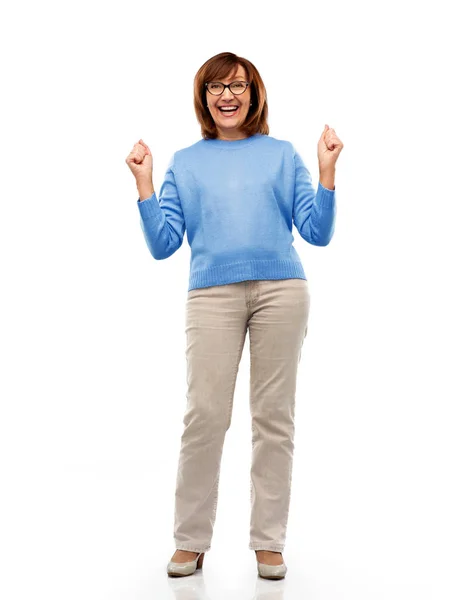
[{"x": 92, "y": 327}]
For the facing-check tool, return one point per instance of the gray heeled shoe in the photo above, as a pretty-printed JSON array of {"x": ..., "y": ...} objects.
[
  {"x": 272, "y": 571},
  {"x": 175, "y": 569}
]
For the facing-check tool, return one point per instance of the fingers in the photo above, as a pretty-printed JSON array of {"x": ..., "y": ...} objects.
[
  {"x": 139, "y": 151},
  {"x": 333, "y": 140},
  {"x": 137, "y": 154},
  {"x": 145, "y": 145},
  {"x": 323, "y": 136},
  {"x": 330, "y": 138}
]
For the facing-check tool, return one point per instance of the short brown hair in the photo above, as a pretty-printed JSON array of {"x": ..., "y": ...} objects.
[{"x": 220, "y": 66}]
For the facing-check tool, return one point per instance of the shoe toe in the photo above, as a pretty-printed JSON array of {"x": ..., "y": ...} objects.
[
  {"x": 186, "y": 568},
  {"x": 272, "y": 571}
]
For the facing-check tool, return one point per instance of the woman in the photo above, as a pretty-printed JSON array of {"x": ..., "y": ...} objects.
[{"x": 237, "y": 192}]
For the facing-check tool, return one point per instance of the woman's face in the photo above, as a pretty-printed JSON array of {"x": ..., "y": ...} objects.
[{"x": 228, "y": 124}]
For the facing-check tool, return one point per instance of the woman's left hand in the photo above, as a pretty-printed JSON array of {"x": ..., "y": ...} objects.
[{"x": 328, "y": 149}]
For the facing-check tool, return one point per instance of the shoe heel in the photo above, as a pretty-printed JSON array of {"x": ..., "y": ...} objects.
[{"x": 200, "y": 561}]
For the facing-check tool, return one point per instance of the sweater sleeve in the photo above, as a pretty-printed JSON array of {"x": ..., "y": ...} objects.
[
  {"x": 314, "y": 213},
  {"x": 162, "y": 219}
]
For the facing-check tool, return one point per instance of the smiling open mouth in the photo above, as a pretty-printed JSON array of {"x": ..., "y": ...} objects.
[{"x": 228, "y": 110}]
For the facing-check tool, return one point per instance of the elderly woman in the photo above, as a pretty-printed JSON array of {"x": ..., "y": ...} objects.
[{"x": 237, "y": 192}]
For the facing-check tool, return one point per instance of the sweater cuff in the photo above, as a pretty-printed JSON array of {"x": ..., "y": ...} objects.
[
  {"x": 325, "y": 197},
  {"x": 149, "y": 208}
]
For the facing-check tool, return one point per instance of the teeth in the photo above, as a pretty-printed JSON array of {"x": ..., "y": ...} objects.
[{"x": 224, "y": 109}]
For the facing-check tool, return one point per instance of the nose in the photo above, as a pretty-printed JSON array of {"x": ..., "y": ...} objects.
[{"x": 227, "y": 93}]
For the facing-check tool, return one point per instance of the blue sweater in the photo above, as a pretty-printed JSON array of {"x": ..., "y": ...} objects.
[{"x": 237, "y": 201}]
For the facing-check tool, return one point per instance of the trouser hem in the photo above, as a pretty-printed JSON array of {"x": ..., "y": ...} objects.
[
  {"x": 264, "y": 546},
  {"x": 191, "y": 547}
]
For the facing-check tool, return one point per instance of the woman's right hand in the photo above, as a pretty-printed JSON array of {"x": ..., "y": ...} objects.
[{"x": 140, "y": 162}]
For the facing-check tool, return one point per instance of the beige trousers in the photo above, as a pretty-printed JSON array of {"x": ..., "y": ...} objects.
[{"x": 217, "y": 318}]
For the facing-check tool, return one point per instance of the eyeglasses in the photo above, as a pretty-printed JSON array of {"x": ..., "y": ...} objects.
[{"x": 217, "y": 88}]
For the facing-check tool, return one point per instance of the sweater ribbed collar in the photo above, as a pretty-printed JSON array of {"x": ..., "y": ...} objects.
[{"x": 233, "y": 144}]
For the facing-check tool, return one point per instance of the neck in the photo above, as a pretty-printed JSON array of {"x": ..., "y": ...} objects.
[{"x": 230, "y": 135}]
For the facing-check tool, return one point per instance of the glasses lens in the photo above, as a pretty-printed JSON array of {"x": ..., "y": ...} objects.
[
  {"x": 238, "y": 87},
  {"x": 215, "y": 87}
]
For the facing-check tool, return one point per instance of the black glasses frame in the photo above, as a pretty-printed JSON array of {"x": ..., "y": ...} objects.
[{"x": 227, "y": 86}]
